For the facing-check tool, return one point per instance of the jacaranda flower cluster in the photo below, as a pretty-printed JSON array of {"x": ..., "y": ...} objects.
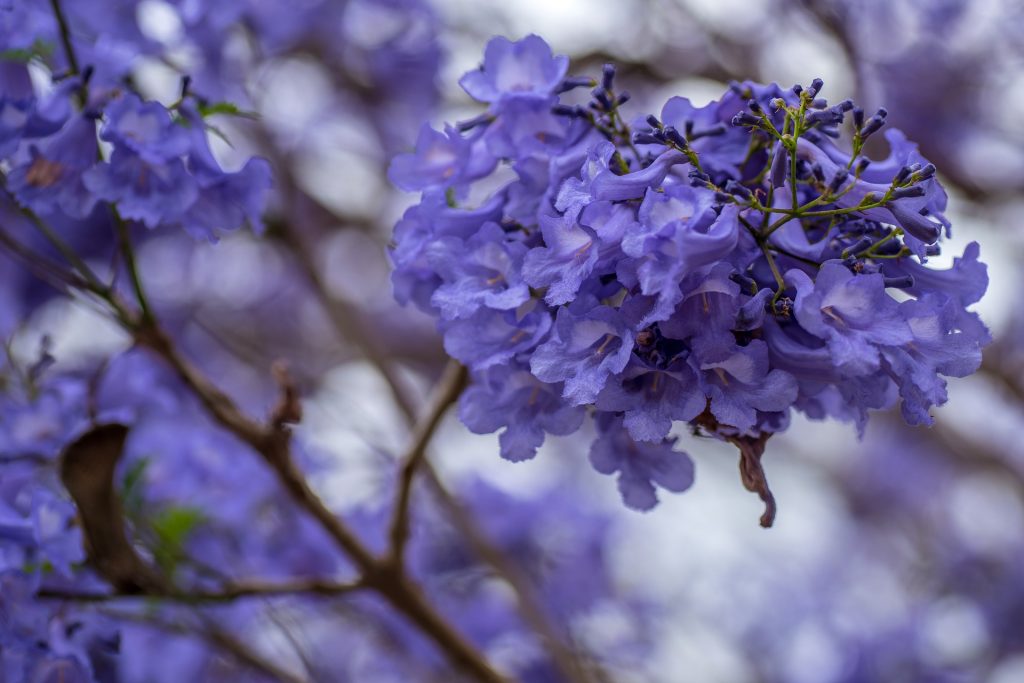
[{"x": 719, "y": 266}]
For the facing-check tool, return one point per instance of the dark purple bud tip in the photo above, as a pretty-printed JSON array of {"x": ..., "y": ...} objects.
[
  {"x": 872, "y": 126},
  {"x": 755, "y": 106},
  {"x": 736, "y": 188},
  {"x": 858, "y": 117},
  {"x": 607, "y": 76},
  {"x": 740, "y": 89},
  {"x": 859, "y": 246},
  {"x": 778, "y": 103},
  {"x": 643, "y": 138},
  {"x": 926, "y": 172},
  {"x": 486, "y": 117},
  {"x": 900, "y": 281},
  {"x": 186, "y": 84},
  {"x": 816, "y": 85},
  {"x": 674, "y": 137},
  {"x": 932, "y": 250},
  {"x": 844, "y": 106},
  {"x": 575, "y": 82},
  {"x": 837, "y": 180},
  {"x": 622, "y": 98},
  {"x": 698, "y": 176},
  {"x": 862, "y": 165},
  {"x": 723, "y": 198},
  {"x": 653, "y": 121},
  {"x": 797, "y": 89},
  {"x": 601, "y": 95},
  {"x": 746, "y": 284},
  {"x": 817, "y": 171},
  {"x": 902, "y": 175},
  {"x": 570, "y": 110},
  {"x": 904, "y": 192},
  {"x": 87, "y": 73},
  {"x": 745, "y": 119}
]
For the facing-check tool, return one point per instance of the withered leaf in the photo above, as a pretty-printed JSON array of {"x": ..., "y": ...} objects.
[{"x": 87, "y": 469}]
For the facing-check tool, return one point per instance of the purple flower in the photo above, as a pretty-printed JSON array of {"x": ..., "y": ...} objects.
[
  {"x": 225, "y": 201},
  {"x": 946, "y": 340},
  {"x": 491, "y": 337},
  {"x": 852, "y": 313},
  {"x": 569, "y": 257},
  {"x": 680, "y": 232},
  {"x": 525, "y": 69},
  {"x": 641, "y": 465},
  {"x": 740, "y": 384},
  {"x": 584, "y": 349},
  {"x": 145, "y": 129},
  {"x": 52, "y": 178},
  {"x": 484, "y": 271},
  {"x": 151, "y": 194},
  {"x": 966, "y": 281},
  {"x": 509, "y": 396},
  {"x": 695, "y": 278},
  {"x": 440, "y": 160},
  {"x": 651, "y": 398}
]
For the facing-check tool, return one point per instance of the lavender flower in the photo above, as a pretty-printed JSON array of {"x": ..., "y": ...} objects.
[{"x": 722, "y": 266}]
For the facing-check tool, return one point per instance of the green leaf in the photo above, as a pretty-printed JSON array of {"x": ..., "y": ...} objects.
[
  {"x": 45, "y": 567},
  {"x": 39, "y": 48},
  {"x": 172, "y": 528},
  {"x": 132, "y": 486},
  {"x": 225, "y": 108}
]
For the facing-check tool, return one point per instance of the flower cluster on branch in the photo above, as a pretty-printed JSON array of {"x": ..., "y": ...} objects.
[{"x": 720, "y": 266}]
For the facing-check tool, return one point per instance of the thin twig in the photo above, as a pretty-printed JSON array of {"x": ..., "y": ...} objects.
[
  {"x": 125, "y": 244},
  {"x": 274, "y": 447},
  {"x": 65, "y": 36},
  {"x": 273, "y": 444},
  {"x": 447, "y": 392},
  {"x": 225, "y": 594},
  {"x": 217, "y": 636},
  {"x": 529, "y": 606}
]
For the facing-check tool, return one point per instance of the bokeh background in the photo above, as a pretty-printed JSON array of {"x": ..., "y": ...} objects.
[{"x": 895, "y": 557}]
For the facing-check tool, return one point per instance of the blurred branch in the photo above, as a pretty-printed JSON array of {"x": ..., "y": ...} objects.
[
  {"x": 272, "y": 443},
  {"x": 344, "y": 317},
  {"x": 527, "y": 603},
  {"x": 227, "y": 593},
  {"x": 217, "y": 636},
  {"x": 993, "y": 364},
  {"x": 445, "y": 394}
]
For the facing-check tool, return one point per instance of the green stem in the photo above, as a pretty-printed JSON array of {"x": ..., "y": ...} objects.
[
  {"x": 65, "y": 36},
  {"x": 124, "y": 240}
]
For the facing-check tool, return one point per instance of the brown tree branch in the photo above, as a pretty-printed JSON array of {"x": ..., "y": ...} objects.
[
  {"x": 226, "y": 593},
  {"x": 447, "y": 392},
  {"x": 217, "y": 636}
]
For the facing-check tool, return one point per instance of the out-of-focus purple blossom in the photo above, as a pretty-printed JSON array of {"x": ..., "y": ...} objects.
[{"x": 52, "y": 178}]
